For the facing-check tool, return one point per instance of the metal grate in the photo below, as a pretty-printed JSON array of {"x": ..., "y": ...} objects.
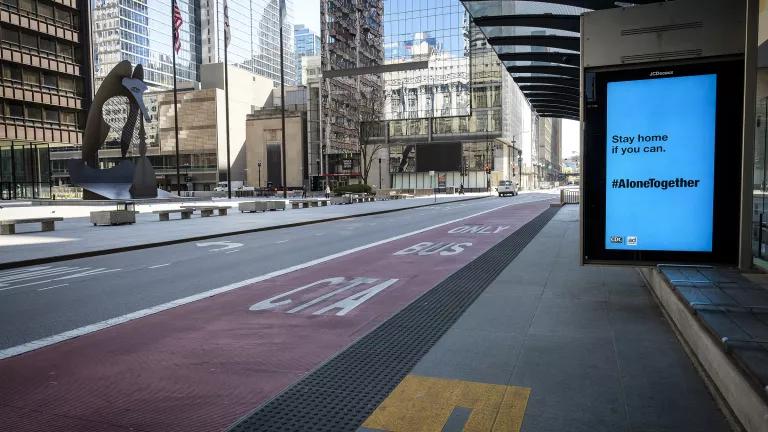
[{"x": 342, "y": 393}]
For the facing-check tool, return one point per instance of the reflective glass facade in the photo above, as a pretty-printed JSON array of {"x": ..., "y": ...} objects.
[
  {"x": 307, "y": 44},
  {"x": 432, "y": 31},
  {"x": 140, "y": 31},
  {"x": 255, "y": 30}
]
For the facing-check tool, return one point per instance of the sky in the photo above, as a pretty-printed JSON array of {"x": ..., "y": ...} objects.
[
  {"x": 307, "y": 12},
  {"x": 570, "y": 138}
]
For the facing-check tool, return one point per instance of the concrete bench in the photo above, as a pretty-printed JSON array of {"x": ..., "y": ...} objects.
[
  {"x": 303, "y": 203},
  {"x": 165, "y": 215},
  {"x": 207, "y": 211},
  {"x": 8, "y": 226},
  {"x": 113, "y": 217},
  {"x": 276, "y": 204},
  {"x": 361, "y": 199},
  {"x": 253, "y": 206}
]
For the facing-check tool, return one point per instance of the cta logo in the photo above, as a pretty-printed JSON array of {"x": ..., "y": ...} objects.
[
  {"x": 617, "y": 239},
  {"x": 662, "y": 73}
]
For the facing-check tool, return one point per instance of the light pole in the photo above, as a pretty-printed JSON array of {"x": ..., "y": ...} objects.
[
  {"x": 380, "y": 174},
  {"x": 259, "y": 165},
  {"x": 520, "y": 170}
]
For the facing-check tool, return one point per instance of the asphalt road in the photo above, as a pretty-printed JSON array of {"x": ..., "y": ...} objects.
[{"x": 45, "y": 300}]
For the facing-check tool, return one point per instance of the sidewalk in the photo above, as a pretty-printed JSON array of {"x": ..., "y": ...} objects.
[
  {"x": 76, "y": 235},
  {"x": 575, "y": 349}
]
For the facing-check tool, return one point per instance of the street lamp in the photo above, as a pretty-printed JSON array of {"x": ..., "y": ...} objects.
[{"x": 259, "y": 165}]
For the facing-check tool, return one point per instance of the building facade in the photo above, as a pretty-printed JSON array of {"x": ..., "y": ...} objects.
[
  {"x": 45, "y": 80},
  {"x": 263, "y": 145},
  {"x": 352, "y": 38},
  {"x": 140, "y": 32},
  {"x": 255, "y": 36},
  {"x": 307, "y": 44}
]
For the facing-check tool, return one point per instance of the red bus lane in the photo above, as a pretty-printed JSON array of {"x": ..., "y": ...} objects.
[{"x": 201, "y": 366}]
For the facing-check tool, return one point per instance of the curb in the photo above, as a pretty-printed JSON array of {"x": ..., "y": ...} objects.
[{"x": 88, "y": 254}]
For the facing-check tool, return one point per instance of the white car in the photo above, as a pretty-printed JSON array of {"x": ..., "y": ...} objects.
[{"x": 506, "y": 187}]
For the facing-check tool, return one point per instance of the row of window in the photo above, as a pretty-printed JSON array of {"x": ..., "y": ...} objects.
[
  {"x": 37, "y": 41},
  {"x": 44, "y": 11},
  {"x": 36, "y": 78},
  {"x": 34, "y": 112}
]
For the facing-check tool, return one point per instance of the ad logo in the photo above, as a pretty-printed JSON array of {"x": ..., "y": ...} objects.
[
  {"x": 617, "y": 239},
  {"x": 662, "y": 73},
  {"x": 631, "y": 240}
]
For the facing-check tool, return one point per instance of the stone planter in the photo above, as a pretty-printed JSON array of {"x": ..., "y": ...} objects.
[{"x": 113, "y": 217}]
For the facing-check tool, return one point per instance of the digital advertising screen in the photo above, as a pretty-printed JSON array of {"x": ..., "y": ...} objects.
[{"x": 660, "y": 163}]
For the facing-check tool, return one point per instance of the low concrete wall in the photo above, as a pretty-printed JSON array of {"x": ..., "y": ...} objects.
[{"x": 745, "y": 403}]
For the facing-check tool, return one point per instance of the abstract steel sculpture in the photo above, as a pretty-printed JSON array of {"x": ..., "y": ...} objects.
[{"x": 127, "y": 180}]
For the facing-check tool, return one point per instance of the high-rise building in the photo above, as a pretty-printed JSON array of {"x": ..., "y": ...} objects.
[
  {"x": 352, "y": 42},
  {"x": 45, "y": 80},
  {"x": 255, "y": 36},
  {"x": 140, "y": 32},
  {"x": 307, "y": 44}
]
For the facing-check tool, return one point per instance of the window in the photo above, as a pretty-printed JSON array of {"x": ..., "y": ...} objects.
[
  {"x": 31, "y": 77},
  {"x": 51, "y": 115},
  {"x": 9, "y": 35},
  {"x": 14, "y": 109},
  {"x": 34, "y": 113},
  {"x": 12, "y": 3},
  {"x": 11, "y": 72},
  {"x": 45, "y": 10},
  {"x": 63, "y": 16},
  {"x": 67, "y": 83},
  {"x": 64, "y": 49},
  {"x": 47, "y": 44},
  {"x": 27, "y": 5},
  {"x": 50, "y": 80},
  {"x": 29, "y": 40},
  {"x": 68, "y": 117}
]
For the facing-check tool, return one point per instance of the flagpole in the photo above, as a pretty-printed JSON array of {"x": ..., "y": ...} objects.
[
  {"x": 226, "y": 111},
  {"x": 282, "y": 98},
  {"x": 175, "y": 106}
]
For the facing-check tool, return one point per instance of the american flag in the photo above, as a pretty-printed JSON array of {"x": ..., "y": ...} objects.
[{"x": 177, "y": 21}]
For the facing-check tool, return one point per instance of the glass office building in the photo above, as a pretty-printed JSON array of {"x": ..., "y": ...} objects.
[
  {"x": 140, "y": 32},
  {"x": 255, "y": 30},
  {"x": 307, "y": 44}
]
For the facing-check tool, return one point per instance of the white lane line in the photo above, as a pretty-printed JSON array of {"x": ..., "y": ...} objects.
[
  {"x": 232, "y": 251},
  {"x": 33, "y": 275},
  {"x": 51, "y": 287},
  {"x": 24, "y": 270},
  {"x": 5, "y": 288},
  {"x": 281, "y": 241},
  {"x": 50, "y": 340},
  {"x": 160, "y": 265},
  {"x": 76, "y": 275}
]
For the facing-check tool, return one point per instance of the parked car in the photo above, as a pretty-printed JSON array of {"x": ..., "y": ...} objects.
[{"x": 507, "y": 187}]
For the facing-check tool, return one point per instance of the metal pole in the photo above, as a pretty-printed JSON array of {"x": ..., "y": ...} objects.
[
  {"x": 380, "y": 174},
  {"x": 259, "y": 175},
  {"x": 748, "y": 137},
  {"x": 282, "y": 103},
  {"x": 176, "y": 114},
  {"x": 226, "y": 119}
]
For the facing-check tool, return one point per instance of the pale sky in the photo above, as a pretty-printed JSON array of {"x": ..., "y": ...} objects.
[
  {"x": 307, "y": 12},
  {"x": 570, "y": 138}
]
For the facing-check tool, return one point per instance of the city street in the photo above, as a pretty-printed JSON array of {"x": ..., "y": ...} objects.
[{"x": 46, "y": 300}]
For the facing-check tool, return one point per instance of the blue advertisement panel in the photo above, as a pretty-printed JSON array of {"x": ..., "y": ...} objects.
[{"x": 660, "y": 163}]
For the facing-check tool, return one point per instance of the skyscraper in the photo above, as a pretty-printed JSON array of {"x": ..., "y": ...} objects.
[
  {"x": 140, "y": 32},
  {"x": 45, "y": 74},
  {"x": 307, "y": 44},
  {"x": 255, "y": 43}
]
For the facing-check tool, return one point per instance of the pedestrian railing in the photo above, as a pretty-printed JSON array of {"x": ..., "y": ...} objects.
[{"x": 569, "y": 196}]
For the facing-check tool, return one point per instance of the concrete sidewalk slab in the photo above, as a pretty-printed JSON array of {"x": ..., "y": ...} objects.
[
  {"x": 77, "y": 237},
  {"x": 590, "y": 342}
]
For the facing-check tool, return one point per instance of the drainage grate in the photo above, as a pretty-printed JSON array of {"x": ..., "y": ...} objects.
[{"x": 342, "y": 393}]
